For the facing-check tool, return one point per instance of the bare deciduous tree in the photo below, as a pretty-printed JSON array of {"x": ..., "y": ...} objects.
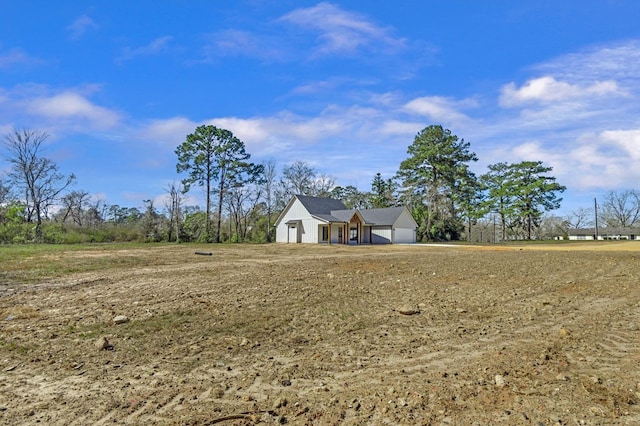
[
  {"x": 299, "y": 178},
  {"x": 323, "y": 185},
  {"x": 241, "y": 201},
  {"x": 174, "y": 209},
  {"x": 5, "y": 192},
  {"x": 580, "y": 218},
  {"x": 74, "y": 206},
  {"x": 37, "y": 177},
  {"x": 621, "y": 209},
  {"x": 268, "y": 190}
]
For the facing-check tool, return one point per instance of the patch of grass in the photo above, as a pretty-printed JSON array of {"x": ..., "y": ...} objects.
[
  {"x": 161, "y": 325},
  {"x": 31, "y": 263},
  {"x": 18, "y": 312},
  {"x": 157, "y": 325},
  {"x": 16, "y": 347}
]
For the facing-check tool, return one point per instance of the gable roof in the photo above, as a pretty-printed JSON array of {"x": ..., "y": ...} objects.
[
  {"x": 383, "y": 216},
  {"x": 320, "y": 206},
  {"x": 317, "y": 207},
  {"x": 346, "y": 215},
  {"x": 332, "y": 210}
]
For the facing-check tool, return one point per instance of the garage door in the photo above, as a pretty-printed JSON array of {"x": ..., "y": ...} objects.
[{"x": 404, "y": 236}]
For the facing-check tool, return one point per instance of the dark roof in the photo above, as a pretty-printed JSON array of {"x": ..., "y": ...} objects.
[
  {"x": 344, "y": 215},
  {"x": 384, "y": 216},
  {"x": 331, "y": 210},
  {"x": 320, "y": 206},
  {"x": 605, "y": 231}
]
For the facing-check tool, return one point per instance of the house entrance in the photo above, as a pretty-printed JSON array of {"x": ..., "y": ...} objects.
[{"x": 353, "y": 235}]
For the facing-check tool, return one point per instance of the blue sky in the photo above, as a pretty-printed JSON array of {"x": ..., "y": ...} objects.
[{"x": 342, "y": 85}]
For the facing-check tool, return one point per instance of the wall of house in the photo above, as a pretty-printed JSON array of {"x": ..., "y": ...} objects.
[
  {"x": 581, "y": 237},
  {"x": 281, "y": 232},
  {"x": 404, "y": 229},
  {"x": 405, "y": 221},
  {"x": 335, "y": 231},
  {"x": 310, "y": 230},
  {"x": 295, "y": 212}
]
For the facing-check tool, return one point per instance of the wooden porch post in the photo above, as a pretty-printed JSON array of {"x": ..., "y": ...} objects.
[{"x": 329, "y": 233}]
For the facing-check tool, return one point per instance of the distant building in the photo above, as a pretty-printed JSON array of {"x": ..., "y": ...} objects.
[
  {"x": 316, "y": 220},
  {"x": 604, "y": 234}
]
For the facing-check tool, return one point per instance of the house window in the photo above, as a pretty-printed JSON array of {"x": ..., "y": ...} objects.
[
  {"x": 353, "y": 234},
  {"x": 325, "y": 233}
]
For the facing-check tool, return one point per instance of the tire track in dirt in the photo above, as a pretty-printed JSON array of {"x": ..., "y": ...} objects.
[{"x": 328, "y": 339}]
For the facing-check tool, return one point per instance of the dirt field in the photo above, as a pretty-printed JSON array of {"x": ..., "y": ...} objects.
[{"x": 273, "y": 334}]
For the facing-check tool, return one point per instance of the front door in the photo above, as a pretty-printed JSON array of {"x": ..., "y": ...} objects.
[
  {"x": 340, "y": 235},
  {"x": 293, "y": 234},
  {"x": 353, "y": 235}
]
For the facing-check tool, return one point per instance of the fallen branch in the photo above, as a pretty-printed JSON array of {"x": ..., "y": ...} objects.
[
  {"x": 244, "y": 415},
  {"x": 231, "y": 417}
]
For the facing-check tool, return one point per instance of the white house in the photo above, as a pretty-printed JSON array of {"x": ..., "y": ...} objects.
[
  {"x": 605, "y": 234},
  {"x": 316, "y": 220}
]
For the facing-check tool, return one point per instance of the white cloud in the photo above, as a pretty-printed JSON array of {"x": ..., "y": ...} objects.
[
  {"x": 155, "y": 47},
  {"x": 440, "y": 109},
  {"x": 14, "y": 57},
  {"x": 317, "y": 87},
  {"x": 5, "y": 129},
  {"x": 626, "y": 141},
  {"x": 577, "y": 113},
  {"x": 80, "y": 26},
  {"x": 262, "y": 135},
  {"x": 401, "y": 128},
  {"x": 342, "y": 32},
  {"x": 619, "y": 61},
  {"x": 239, "y": 42},
  {"x": 547, "y": 89},
  {"x": 170, "y": 132},
  {"x": 269, "y": 135},
  {"x": 249, "y": 130},
  {"x": 72, "y": 106},
  {"x": 602, "y": 161},
  {"x": 290, "y": 136}
]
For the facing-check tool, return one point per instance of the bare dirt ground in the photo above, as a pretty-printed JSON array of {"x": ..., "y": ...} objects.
[{"x": 274, "y": 334}]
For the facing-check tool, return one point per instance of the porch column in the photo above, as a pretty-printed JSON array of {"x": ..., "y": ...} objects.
[{"x": 329, "y": 233}]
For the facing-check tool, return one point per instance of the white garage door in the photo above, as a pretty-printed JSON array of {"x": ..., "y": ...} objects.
[{"x": 404, "y": 236}]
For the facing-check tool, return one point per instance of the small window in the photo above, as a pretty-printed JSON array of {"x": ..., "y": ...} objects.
[{"x": 325, "y": 233}]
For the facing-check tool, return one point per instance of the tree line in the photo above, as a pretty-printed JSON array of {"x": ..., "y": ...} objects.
[{"x": 242, "y": 199}]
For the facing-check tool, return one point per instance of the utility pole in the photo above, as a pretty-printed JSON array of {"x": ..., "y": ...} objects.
[{"x": 595, "y": 207}]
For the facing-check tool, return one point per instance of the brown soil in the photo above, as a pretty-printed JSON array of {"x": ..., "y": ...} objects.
[{"x": 272, "y": 334}]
